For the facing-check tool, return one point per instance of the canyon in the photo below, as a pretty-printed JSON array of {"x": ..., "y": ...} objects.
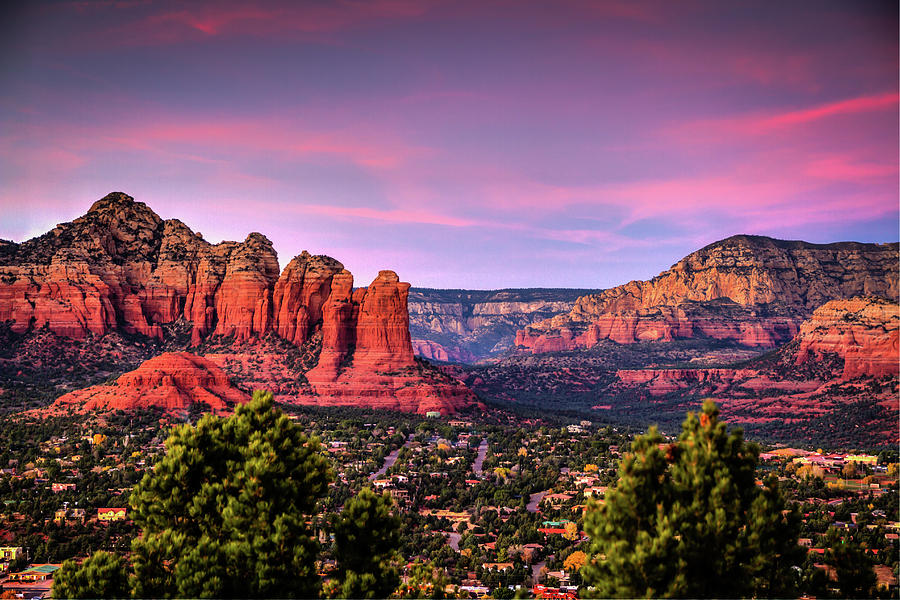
[
  {"x": 786, "y": 335},
  {"x": 466, "y": 326}
]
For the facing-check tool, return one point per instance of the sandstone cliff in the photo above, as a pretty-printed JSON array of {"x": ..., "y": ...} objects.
[
  {"x": 749, "y": 289},
  {"x": 173, "y": 381},
  {"x": 846, "y": 354},
  {"x": 863, "y": 332},
  {"x": 121, "y": 268}
]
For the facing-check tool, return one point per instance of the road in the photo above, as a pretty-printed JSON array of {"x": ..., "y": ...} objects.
[
  {"x": 390, "y": 460},
  {"x": 454, "y": 539},
  {"x": 479, "y": 460},
  {"x": 536, "y": 571},
  {"x": 534, "y": 500}
]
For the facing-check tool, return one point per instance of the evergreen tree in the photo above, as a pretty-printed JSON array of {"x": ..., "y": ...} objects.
[
  {"x": 102, "y": 575},
  {"x": 632, "y": 540},
  {"x": 366, "y": 537},
  {"x": 223, "y": 513},
  {"x": 687, "y": 520},
  {"x": 855, "y": 576}
]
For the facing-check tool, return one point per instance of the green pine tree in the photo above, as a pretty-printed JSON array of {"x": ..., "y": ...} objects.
[
  {"x": 366, "y": 537},
  {"x": 223, "y": 514},
  {"x": 688, "y": 520},
  {"x": 855, "y": 576},
  {"x": 102, "y": 575}
]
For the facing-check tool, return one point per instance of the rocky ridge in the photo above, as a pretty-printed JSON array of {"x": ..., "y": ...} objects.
[
  {"x": 121, "y": 268},
  {"x": 751, "y": 290}
]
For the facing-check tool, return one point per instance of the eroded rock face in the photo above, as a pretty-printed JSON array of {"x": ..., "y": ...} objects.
[
  {"x": 367, "y": 355},
  {"x": 244, "y": 299},
  {"x": 300, "y": 295},
  {"x": 173, "y": 381},
  {"x": 382, "y": 327},
  {"x": 368, "y": 328},
  {"x": 864, "y": 332},
  {"x": 122, "y": 268},
  {"x": 753, "y": 290}
]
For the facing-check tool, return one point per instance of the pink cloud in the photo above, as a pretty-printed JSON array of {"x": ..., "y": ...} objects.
[
  {"x": 210, "y": 19},
  {"x": 212, "y": 141},
  {"x": 374, "y": 150},
  {"x": 731, "y": 62},
  {"x": 845, "y": 168},
  {"x": 850, "y": 106},
  {"x": 26, "y": 157},
  {"x": 778, "y": 121}
]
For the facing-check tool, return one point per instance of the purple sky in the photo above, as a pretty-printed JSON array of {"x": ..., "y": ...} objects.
[{"x": 463, "y": 144}]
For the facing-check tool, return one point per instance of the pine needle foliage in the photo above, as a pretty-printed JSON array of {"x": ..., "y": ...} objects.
[{"x": 688, "y": 519}]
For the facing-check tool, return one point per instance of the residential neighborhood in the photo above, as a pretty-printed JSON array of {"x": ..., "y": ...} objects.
[{"x": 497, "y": 505}]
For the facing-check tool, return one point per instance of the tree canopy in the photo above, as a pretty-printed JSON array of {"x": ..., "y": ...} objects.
[
  {"x": 102, "y": 575},
  {"x": 223, "y": 513},
  {"x": 366, "y": 537},
  {"x": 687, "y": 519}
]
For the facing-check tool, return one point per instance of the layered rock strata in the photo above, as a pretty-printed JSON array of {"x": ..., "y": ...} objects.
[
  {"x": 749, "y": 289},
  {"x": 864, "y": 332}
]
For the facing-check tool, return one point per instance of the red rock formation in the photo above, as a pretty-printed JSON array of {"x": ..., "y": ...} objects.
[
  {"x": 173, "y": 381},
  {"x": 864, "y": 332},
  {"x": 300, "y": 294},
  {"x": 434, "y": 351},
  {"x": 750, "y": 289},
  {"x": 338, "y": 330},
  {"x": 408, "y": 392},
  {"x": 367, "y": 355},
  {"x": 121, "y": 267},
  {"x": 244, "y": 299},
  {"x": 663, "y": 324},
  {"x": 382, "y": 327},
  {"x": 373, "y": 322}
]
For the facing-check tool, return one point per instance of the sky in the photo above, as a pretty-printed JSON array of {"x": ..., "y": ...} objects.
[{"x": 483, "y": 144}]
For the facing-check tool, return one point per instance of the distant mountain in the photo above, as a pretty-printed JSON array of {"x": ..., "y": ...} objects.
[
  {"x": 120, "y": 269},
  {"x": 751, "y": 290},
  {"x": 470, "y": 325}
]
